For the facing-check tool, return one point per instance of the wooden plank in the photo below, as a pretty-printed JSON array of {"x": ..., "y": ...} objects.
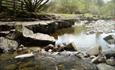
[{"x": 10, "y": 4}]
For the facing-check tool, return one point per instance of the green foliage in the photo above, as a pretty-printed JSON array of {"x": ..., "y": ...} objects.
[
  {"x": 96, "y": 7},
  {"x": 34, "y": 5},
  {"x": 67, "y": 6}
]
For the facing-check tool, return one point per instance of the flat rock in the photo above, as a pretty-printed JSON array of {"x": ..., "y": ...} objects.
[{"x": 38, "y": 36}]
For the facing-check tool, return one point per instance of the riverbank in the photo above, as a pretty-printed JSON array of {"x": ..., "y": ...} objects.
[{"x": 33, "y": 47}]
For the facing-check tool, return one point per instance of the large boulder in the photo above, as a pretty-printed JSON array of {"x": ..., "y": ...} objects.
[
  {"x": 48, "y": 61},
  {"x": 66, "y": 61},
  {"x": 38, "y": 36},
  {"x": 7, "y": 45},
  {"x": 28, "y": 38},
  {"x": 48, "y": 28},
  {"x": 65, "y": 23}
]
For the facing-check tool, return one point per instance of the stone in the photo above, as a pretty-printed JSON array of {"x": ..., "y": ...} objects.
[
  {"x": 41, "y": 28},
  {"x": 8, "y": 45},
  {"x": 110, "y": 39},
  {"x": 111, "y": 61},
  {"x": 70, "y": 47},
  {"x": 65, "y": 23},
  {"x": 99, "y": 59},
  {"x": 62, "y": 62},
  {"x": 13, "y": 35},
  {"x": 28, "y": 38},
  {"x": 94, "y": 51},
  {"x": 50, "y": 61},
  {"x": 38, "y": 36},
  {"x": 110, "y": 52},
  {"x": 103, "y": 66}
]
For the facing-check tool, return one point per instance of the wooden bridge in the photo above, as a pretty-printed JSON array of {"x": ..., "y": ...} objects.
[{"x": 15, "y": 5}]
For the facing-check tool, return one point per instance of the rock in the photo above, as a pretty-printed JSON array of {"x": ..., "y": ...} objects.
[
  {"x": 110, "y": 52},
  {"x": 63, "y": 62},
  {"x": 41, "y": 28},
  {"x": 99, "y": 59},
  {"x": 69, "y": 47},
  {"x": 103, "y": 66},
  {"x": 49, "y": 47},
  {"x": 38, "y": 36},
  {"x": 65, "y": 23},
  {"x": 94, "y": 51},
  {"x": 110, "y": 39},
  {"x": 49, "y": 61},
  {"x": 51, "y": 27},
  {"x": 8, "y": 45},
  {"x": 111, "y": 61},
  {"x": 25, "y": 55},
  {"x": 13, "y": 35},
  {"x": 29, "y": 38}
]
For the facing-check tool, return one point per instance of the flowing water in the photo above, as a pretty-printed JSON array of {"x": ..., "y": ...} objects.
[{"x": 82, "y": 41}]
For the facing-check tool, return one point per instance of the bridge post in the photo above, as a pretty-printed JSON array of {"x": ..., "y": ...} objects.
[
  {"x": 22, "y": 6},
  {"x": 0, "y": 5},
  {"x": 14, "y": 7}
]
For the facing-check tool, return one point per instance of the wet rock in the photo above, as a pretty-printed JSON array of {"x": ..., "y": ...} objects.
[
  {"x": 63, "y": 62},
  {"x": 65, "y": 23},
  {"x": 8, "y": 45},
  {"x": 51, "y": 27},
  {"x": 49, "y": 61},
  {"x": 110, "y": 39},
  {"x": 46, "y": 63},
  {"x": 94, "y": 51},
  {"x": 69, "y": 47},
  {"x": 50, "y": 47},
  {"x": 103, "y": 66},
  {"x": 99, "y": 59},
  {"x": 110, "y": 52},
  {"x": 111, "y": 61}
]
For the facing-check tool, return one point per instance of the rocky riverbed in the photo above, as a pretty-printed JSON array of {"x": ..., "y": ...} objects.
[{"x": 57, "y": 45}]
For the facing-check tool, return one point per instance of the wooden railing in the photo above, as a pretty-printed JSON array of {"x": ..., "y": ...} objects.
[{"x": 14, "y": 5}]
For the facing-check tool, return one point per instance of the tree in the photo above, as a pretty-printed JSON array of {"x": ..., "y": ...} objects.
[
  {"x": 67, "y": 6},
  {"x": 34, "y": 5}
]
